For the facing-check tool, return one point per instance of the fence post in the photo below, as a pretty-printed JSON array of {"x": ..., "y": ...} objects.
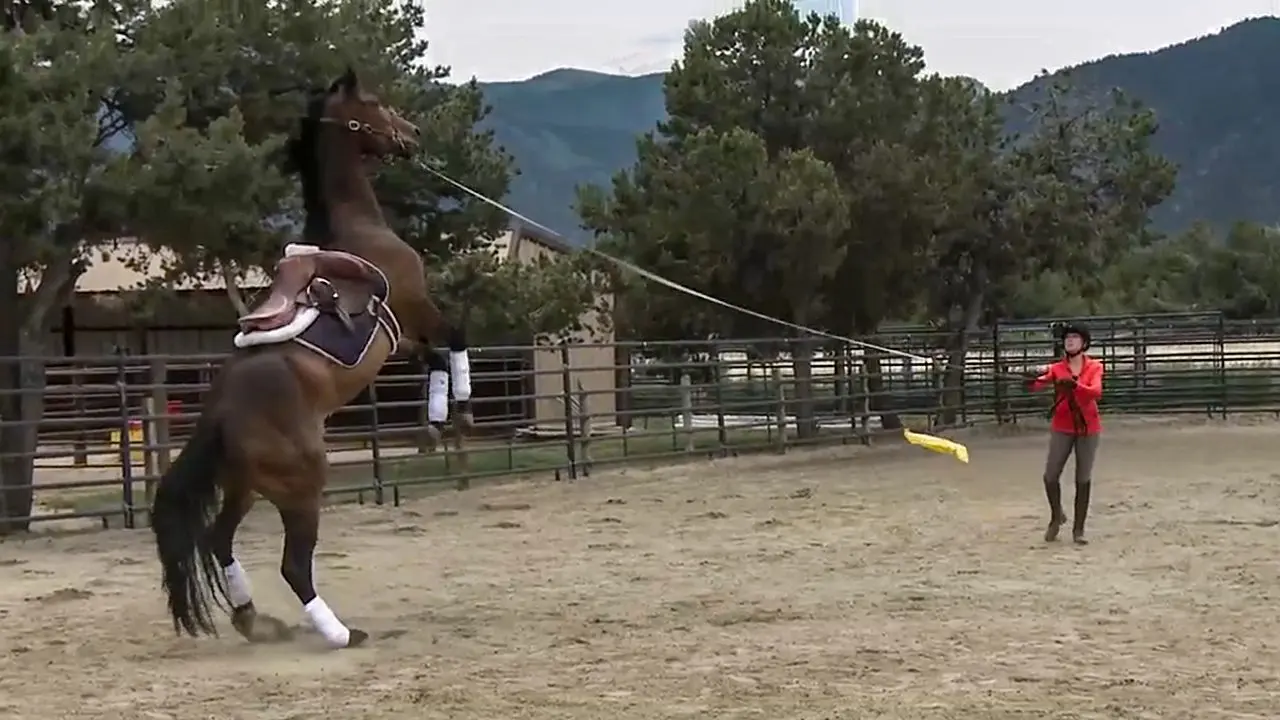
[
  {"x": 150, "y": 458},
  {"x": 853, "y": 383},
  {"x": 717, "y": 369},
  {"x": 781, "y": 410},
  {"x": 839, "y": 380},
  {"x": 566, "y": 379},
  {"x": 162, "y": 432},
  {"x": 938, "y": 383},
  {"x": 126, "y": 444},
  {"x": 999, "y": 374},
  {"x": 421, "y": 435},
  {"x": 155, "y": 432},
  {"x": 80, "y": 445},
  {"x": 686, "y": 411},
  {"x": 463, "y": 480},
  {"x": 421, "y": 411},
  {"x": 584, "y": 428},
  {"x": 1221, "y": 351},
  {"x": 864, "y": 406},
  {"x": 622, "y": 390},
  {"x": 1140, "y": 358},
  {"x": 375, "y": 445}
]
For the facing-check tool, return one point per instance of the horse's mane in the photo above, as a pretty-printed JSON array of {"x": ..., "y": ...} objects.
[{"x": 304, "y": 160}]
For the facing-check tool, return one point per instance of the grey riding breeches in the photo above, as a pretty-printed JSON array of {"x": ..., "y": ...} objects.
[{"x": 1061, "y": 445}]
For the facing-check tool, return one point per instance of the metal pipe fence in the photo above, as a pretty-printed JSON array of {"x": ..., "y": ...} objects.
[{"x": 113, "y": 424}]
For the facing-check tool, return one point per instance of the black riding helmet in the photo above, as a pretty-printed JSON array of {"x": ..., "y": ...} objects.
[{"x": 1076, "y": 328}]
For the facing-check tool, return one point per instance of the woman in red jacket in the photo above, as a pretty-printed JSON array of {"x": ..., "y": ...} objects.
[{"x": 1076, "y": 426}]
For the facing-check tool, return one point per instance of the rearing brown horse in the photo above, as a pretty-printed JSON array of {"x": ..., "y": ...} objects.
[{"x": 334, "y": 314}]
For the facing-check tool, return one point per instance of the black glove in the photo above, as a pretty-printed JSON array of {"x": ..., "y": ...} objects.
[{"x": 1065, "y": 383}]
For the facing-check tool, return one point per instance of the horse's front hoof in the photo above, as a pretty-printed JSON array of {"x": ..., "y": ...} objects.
[
  {"x": 357, "y": 638},
  {"x": 434, "y": 437},
  {"x": 465, "y": 420}
]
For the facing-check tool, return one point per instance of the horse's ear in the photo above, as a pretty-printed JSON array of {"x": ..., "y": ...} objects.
[
  {"x": 291, "y": 156},
  {"x": 349, "y": 82}
]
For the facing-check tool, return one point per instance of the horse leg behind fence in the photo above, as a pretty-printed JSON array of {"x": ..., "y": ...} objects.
[{"x": 429, "y": 325}]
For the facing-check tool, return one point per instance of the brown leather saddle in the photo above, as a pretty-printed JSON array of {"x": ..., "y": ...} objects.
[{"x": 336, "y": 283}]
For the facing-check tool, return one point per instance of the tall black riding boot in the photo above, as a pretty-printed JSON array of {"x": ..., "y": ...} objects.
[
  {"x": 1053, "y": 491},
  {"x": 1082, "y": 512}
]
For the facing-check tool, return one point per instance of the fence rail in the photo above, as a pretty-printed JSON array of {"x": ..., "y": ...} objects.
[{"x": 113, "y": 424}]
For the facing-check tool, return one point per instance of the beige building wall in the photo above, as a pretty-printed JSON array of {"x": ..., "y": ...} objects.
[
  {"x": 592, "y": 369},
  {"x": 591, "y": 374},
  {"x": 131, "y": 264}
]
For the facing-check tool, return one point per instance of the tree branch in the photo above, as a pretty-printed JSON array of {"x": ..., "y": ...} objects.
[
  {"x": 233, "y": 291},
  {"x": 57, "y": 284}
]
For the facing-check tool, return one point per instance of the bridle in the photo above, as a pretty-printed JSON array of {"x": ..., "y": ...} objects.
[{"x": 364, "y": 128}]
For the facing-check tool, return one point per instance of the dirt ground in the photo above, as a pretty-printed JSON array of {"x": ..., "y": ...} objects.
[{"x": 845, "y": 583}]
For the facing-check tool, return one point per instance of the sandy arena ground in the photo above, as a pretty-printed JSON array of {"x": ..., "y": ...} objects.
[{"x": 845, "y": 583}]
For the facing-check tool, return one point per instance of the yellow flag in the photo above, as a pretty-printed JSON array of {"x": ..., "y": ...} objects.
[{"x": 938, "y": 445}]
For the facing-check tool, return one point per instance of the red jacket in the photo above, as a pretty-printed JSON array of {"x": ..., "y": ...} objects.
[{"x": 1085, "y": 394}]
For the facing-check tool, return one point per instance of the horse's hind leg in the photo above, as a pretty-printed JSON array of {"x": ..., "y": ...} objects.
[
  {"x": 301, "y": 531},
  {"x": 432, "y": 327},
  {"x": 236, "y": 503}
]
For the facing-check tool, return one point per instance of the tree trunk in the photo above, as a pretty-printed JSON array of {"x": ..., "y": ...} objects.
[
  {"x": 802, "y": 368},
  {"x": 22, "y": 380},
  {"x": 18, "y": 436},
  {"x": 957, "y": 353},
  {"x": 233, "y": 292},
  {"x": 15, "y": 501},
  {"x": 879, "y": 401}
]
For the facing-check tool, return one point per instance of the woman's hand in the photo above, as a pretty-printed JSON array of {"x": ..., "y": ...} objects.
[{"x": 1066, "y": 383}]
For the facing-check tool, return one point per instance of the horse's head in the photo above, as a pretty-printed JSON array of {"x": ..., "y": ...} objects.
[
  {"x": 344, "y": 123},
  {"x": 378, "y": 129}
]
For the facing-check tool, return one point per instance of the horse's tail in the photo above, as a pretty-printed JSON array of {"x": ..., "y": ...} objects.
[{"x": 186, "y": 498}]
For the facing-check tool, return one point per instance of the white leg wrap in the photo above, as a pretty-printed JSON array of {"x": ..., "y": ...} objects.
[
  {"x": 239, "y": 591},
  {"x": 460, "y": 367},
  {"x": 328, "y": 624},
  {"x": 437, "y": 396}
]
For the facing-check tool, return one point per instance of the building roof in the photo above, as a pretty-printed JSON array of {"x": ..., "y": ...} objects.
[
  {"x": 507, "y": 245},
  {"x": 549, "y": 239}
]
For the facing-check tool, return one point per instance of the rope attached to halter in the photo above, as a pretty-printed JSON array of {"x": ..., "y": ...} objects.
[
  {"x": 673, "y": 285},
  {"x": 929, "y": 442}
]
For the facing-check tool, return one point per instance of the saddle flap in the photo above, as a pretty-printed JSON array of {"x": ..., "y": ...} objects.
[
  {"x": 353, "y": 297},
  {"x": 310, "y": 279},
  {"x": 292, "y": 276},
  {"x": 334, "y": 265},
  {"x": 339, "y": 297}
]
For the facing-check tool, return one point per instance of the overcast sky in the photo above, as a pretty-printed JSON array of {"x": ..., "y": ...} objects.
[{"x": 1001, "y": 42}]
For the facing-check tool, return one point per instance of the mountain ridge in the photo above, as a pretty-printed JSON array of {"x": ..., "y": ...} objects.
[{"x": 1212, "y": 96}]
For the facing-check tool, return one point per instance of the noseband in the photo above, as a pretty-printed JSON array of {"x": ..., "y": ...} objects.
[{"x": 365, "y": 128}]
